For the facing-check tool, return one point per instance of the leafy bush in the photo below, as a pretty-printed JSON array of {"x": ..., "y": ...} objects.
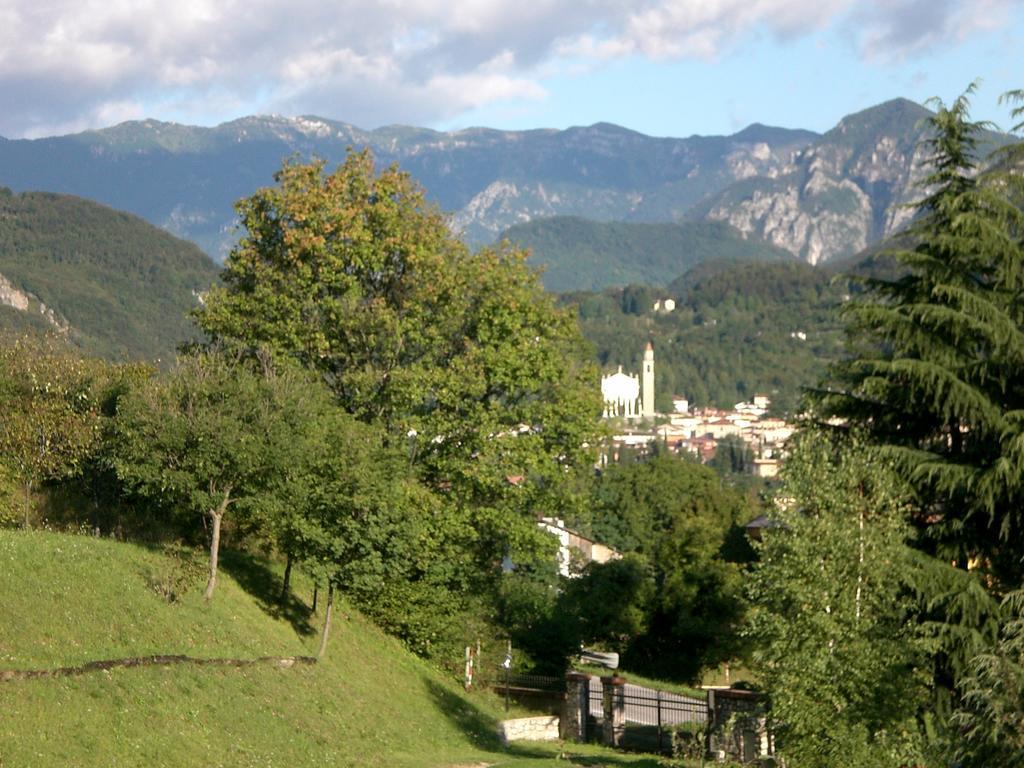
[
  {"x": 11, "y": 498},
  {"x": 181, "y": 569},
  {"x": 689, "y": 740}
]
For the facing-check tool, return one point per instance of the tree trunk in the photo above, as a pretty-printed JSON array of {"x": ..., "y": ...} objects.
[
  {"x": 287, "y": 581},
  {"x": 327, "y": 622},
  {"x": 860, "y": 561},
  {"x": 316, "y": 593},
  {"x": 28, "y": 501},
  {"x": 216, "y": 515}
]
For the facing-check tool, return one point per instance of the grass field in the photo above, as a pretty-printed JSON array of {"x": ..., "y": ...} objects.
[{"x": 71, "y": 599}]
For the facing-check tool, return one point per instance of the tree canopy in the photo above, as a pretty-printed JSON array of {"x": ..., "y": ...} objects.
[
  {"x": 52, "y": 399},
  {"x": 933, "y": 383},
  {"x": 460, "y": 358},
  {"x": 221, "y": 432},
  {"x": 686, "y": 524},
  {"x": 832, "y": 614}
]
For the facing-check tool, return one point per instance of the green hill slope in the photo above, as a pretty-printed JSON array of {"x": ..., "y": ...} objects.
[
  {"x": 68, "y": 599},
  {"x": 120, "y": 287},
  {"x": 582, "y": 255}
]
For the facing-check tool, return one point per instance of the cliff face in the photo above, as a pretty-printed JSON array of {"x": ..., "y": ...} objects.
[
  {"x": 849, "y": 189},
  {"x": 28, "y": 303},
  {"x": 686, "y": 170}
]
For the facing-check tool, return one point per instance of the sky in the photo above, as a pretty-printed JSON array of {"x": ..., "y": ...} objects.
[{"x": 662, "y": 67}]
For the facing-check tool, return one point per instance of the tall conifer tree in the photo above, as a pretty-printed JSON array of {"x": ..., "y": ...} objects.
[
  {"x": 936, "y": 372},
  {"x": 935, "y": 379}
]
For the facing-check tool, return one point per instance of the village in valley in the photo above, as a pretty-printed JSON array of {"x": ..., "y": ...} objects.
[{"x": 629, "y": 405}]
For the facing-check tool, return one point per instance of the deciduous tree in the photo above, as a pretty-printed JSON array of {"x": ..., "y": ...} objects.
[
  {"x": 681, "y": 517},
  {"x": 217, "y": 434},
  {"x": 50, "y": 422},
  {"x": 833, "y": 613},
  {"x": 461, "y": 359}
]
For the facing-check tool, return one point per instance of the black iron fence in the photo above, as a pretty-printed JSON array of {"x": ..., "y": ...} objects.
[
  {"x": 497, "y": 679},
  {"x": 646, "y": 706},
  {"x": 652, "y": 720},
  {"x": 540, "y": 683}
]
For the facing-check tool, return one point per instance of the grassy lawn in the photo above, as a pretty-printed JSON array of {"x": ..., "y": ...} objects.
[
  {"x": 649, "y": 682},
  {"x": 726, "y": 675},
  {"x": 721, "y": 676},
  {"x": 71, "y": 599}
]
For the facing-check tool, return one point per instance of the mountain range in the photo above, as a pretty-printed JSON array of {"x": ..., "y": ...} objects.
[{"x": 818, "y": 197}]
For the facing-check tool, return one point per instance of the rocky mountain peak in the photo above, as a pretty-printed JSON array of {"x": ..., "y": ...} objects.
[{"x": 846, "y": 190}]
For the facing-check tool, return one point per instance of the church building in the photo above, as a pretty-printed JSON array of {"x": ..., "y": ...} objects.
[{"x": 629, "y": 396}]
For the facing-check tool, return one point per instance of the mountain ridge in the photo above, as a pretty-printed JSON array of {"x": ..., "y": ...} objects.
[
  {"x": 818, "y": 196},
  {"x": 186, "y": 178},
  {"x": 849, "y": 189}
]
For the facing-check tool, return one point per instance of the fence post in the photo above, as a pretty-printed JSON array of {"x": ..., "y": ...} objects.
[
  {"x": 711, "y": 724},
  {"x": 614, "y": 701},
  {"x": 660, "y": 747},
  {"x": 576, "y": 707}
]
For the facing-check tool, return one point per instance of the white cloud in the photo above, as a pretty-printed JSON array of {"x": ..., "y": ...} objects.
[
  {"x": 893, "y": 30},
  {"x": 103, "y": 114},
  {"x": 469, "y": 91},
  {"x": 77, "y": 62},
  {"x": 679, "y": 28},
  {"x": 324, "y": 65}
]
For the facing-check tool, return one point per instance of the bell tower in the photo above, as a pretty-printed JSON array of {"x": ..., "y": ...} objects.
[{"x": 647, "y": 383}]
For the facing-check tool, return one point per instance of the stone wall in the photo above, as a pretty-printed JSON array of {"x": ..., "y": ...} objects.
[{"x": 529, "y": 729}]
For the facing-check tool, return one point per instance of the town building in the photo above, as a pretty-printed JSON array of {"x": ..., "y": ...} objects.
[
  {"x": 693, "y": 430},
  {"x": 574, "y": 549}
]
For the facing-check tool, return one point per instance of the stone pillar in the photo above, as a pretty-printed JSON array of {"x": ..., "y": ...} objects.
[
  {"x": 614, "y": 690},
  {"x": 576, "y": 707}
]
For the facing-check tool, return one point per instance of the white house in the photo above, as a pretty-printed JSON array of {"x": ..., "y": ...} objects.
[{"x": 575, "y": 545}]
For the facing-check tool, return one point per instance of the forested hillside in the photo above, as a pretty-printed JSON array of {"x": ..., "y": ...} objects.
[
  {"x": 117, "y": 286},
  {"x": 583, "y": 255},
  {"x": 737, "y": 329}
]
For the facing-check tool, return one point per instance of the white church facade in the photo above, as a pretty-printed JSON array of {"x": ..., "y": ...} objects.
[{"x": 628, "y": 396}]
